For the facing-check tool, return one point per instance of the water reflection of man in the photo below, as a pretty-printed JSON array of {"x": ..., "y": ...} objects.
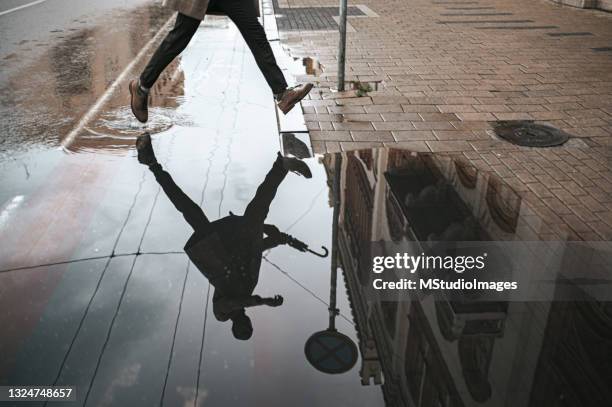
[{"x": 228, "y": 251}]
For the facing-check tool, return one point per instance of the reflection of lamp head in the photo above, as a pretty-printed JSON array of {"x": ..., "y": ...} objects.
[{"x": 241, "y": 326}]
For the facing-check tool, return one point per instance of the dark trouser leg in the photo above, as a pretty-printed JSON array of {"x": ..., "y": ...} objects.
[
  {"x": 258, "y": 208},
  {"x": 243, "y": 14},
  {"x": 192, "y": 213},
  {"x": 174, "y": 43}
]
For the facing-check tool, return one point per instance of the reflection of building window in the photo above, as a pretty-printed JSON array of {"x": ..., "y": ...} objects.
[
  {"x": 395, "y": 219},
  {"x": 427, "y": 376},
  {"x": 475, "y": 354},
  {"x": 504, "y": 204},
  {"x": 389, "y": 310}
]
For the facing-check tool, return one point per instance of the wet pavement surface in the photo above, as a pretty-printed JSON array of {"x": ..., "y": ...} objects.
[{"x": 96, "y": 290}]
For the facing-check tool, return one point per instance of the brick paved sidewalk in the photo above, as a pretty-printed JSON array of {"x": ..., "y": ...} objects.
[{"x": 449, "y": 69}]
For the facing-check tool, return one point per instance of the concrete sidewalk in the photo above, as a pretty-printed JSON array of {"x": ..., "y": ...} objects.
[{"x": 447, "y": 70}]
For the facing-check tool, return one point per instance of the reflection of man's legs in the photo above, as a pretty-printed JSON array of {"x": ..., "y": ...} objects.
[
  {"x": 244, "y": 15},
  {"x": 192, "y": 213},
  {"x": 258, "y": 208},
  {"x": 174, "y": 43}
]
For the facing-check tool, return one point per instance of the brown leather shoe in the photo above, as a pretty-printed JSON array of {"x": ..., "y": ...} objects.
[
  {"x": 139, "y": 102},
  {"x": 292, "y": 96}
]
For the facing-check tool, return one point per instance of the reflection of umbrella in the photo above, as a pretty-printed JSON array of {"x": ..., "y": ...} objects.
[
  {"x": 330, "y": 351},
  {"x": 303, "y": 247}
]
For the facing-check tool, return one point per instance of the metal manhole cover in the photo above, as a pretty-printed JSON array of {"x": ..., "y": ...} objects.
[{"x": 530, "y": 134}]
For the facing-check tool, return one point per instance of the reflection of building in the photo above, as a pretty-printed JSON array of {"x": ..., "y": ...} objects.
[{"x": 440, "y": 352}]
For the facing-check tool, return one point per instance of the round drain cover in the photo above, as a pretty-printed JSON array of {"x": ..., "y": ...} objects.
[{"x": 529, "y": 134}]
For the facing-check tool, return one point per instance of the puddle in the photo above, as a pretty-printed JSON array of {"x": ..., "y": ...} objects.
[
  {"x": 42, "y": 100},
  {"x": 362, "y": 88},
  {"x": 383, "y": 199},
  {"x": 312, "y": 66}
]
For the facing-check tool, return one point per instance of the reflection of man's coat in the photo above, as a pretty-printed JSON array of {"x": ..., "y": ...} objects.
[{"x": 229, "y": 252}]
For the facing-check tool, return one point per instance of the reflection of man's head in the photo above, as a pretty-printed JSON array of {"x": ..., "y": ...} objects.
[{"x": 241, "y": 326}]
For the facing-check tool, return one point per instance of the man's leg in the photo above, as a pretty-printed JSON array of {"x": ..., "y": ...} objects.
[
  {"x": 258, "y": 208},
  {"x": 192, "y": 213},
  {"x": 243, "y": 14},
  {"x": 174, "y": 43}
]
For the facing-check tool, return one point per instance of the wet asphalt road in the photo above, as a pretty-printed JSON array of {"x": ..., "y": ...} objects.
[{"x": 58, "y": 57}]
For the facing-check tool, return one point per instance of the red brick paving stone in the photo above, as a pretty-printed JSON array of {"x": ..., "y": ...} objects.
[
  {"x": 416, "y": 108},
  {"x": 476, "y": 117},
  {"x": 556, "y": 205},
  {"x": 372, "y": 136},
  {"x": 491, "y": 108},
  {"x": 353, "y": 126},
  {"x": 330, "y": 136},
  {"x": 322, "y": 117},
  {"x": 398, "y": 117},
  {"x": 362, "y": 117},
  {"x": 416, "y": 146},
  {"x": 383, "y": 108},
  {"x": 513, "y": 116},
  {"x": 433, "y": 125},
  {"x": 455, "y": 108},
  {"x": 604, "y": 231},
  {"x": 346, "y": 109},
  {"x": 413, "y": 135},
  {"x": 444, "y": 146},
  {"x": 606, "y": 217},
  {"x": 349, "y": 146},
  {"x": 539, "y": 189},
  {"x": 584, "y": 213},
  {"x": 354, "y": 101},
  {"x": 472, "y": 125},
  {"x": 403, "y": 125},
  {"x": 487, "y": 145},
  {"x": 576, "y": 224}
]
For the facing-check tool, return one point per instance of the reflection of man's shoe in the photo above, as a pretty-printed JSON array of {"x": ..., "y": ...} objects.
[
  {"x": 146, "y": 155},
  {"x": 291, "y": 96},
  {"x": 139, "y": 101},
  {"x": 296, "y": 166},
  {"x": 295, "y": 146}
]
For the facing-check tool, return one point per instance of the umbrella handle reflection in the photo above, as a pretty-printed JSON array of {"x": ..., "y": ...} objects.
[{"x": 324, "y": 254}]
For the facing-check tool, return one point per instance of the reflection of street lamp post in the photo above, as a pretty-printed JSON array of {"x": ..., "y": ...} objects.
[{"x": 330, "y": 351}]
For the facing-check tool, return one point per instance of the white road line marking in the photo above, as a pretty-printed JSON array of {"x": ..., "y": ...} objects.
[
  {"x": 22, "y": 7},
  {"x": 71, "y": 137}
]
